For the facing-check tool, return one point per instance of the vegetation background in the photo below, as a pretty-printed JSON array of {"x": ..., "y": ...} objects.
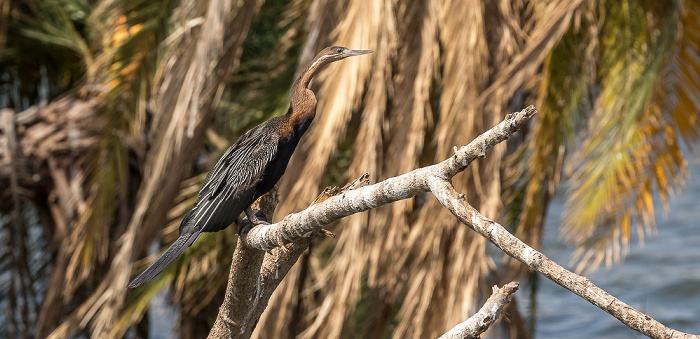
[{"x": 113, "y": 112}]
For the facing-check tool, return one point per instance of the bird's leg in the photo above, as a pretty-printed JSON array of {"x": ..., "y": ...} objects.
[
  {"x": 254, "y": 219},
  {"x": 244, "y": 225}
]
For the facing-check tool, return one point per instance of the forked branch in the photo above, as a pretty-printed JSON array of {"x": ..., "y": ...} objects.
[{"x": 296, "y": 228}]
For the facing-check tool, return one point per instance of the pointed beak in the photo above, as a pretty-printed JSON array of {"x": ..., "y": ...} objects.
[{"x": 354, "y": 52}]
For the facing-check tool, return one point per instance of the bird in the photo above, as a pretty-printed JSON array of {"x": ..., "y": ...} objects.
[{"x": 250, "y": 167}]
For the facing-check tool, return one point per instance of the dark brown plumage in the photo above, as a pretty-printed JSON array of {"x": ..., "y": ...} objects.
[{"x": 249, "y": 168}]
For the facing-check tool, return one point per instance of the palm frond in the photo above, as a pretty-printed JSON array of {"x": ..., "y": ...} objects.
[
  {"x": 181, "y": 115},
  {"x": 408, "y": 121},
  {"x": 125, "y": 67},
  {"x": 563, "y": 94},
  {"x": 448, "y": 259},
  {"x": 54, "y": 22},
  {"x": 631, "y": 145}
]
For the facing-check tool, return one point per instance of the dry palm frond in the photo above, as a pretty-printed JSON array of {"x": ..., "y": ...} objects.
[
  {"x": 493, "y": 37},
  {"x": 191, "y": 74},
  {"x": 409, "y": 118},
  {"x": 339, "y": 94},
  {"x": 446, "y": 255},
  {"x": 552, "y": 21}
]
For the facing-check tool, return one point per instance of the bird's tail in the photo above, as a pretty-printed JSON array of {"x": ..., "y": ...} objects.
[{"x": 179, "y": 246}]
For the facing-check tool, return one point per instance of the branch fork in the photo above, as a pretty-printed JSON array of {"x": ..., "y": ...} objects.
[{"x": 294, "y": 231}]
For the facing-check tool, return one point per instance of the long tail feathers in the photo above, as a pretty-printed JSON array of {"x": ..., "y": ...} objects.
[{"x": 179, "y": 246}]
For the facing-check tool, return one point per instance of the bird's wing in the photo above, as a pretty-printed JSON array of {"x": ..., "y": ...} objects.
[
  {"x": 242, "y": 166},
  {"x": 232, "y": 179}
]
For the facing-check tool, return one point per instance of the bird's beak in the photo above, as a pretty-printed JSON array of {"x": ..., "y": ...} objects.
[{"x": 353, "y": 52}]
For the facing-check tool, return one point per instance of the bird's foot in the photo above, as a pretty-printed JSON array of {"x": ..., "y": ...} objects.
[
  {"x": 253, "y": 219},
  {"x": 256, "y": 217}
]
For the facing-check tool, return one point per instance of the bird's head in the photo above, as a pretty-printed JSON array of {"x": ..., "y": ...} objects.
[
  {"x": 334, "y": 53},
  {"x": 338, "y": 53},
  {"x": 323, "y": 59}
]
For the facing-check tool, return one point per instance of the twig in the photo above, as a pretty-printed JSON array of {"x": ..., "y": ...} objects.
[{"x": 487, "y": 315}]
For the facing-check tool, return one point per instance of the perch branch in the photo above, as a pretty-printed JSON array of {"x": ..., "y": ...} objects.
[
  {"x": 297, "y": 227},
  {"x": 256, "y": 274},
  {"x": 487, "y": 315}
]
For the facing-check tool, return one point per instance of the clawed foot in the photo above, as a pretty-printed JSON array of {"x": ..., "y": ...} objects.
[{"x": 254, "y": 218}]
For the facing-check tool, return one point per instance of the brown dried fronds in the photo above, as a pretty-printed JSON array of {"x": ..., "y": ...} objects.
[{"x": 339, "y": 93}]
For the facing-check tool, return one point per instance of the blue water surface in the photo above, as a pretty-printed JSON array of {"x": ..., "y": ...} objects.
[{"x": 660, "y": 278}]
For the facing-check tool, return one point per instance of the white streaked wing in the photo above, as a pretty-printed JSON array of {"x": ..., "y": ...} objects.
[
  {"x": 241, "y": 165},
  {"x": 232, "y": 179}
]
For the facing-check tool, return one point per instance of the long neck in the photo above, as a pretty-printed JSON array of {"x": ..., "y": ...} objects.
[
  {"x": 316, "y": 66},
  {"x": 301, "y": 99}
]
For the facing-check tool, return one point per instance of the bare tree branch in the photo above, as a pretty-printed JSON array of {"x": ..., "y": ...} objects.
[
  {"x": 296, "y": 228},
  {"x": 487, "y": 315},
  {"x": 517, "y": 249}
]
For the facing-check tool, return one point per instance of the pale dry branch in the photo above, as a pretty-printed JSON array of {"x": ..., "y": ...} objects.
[
  {"x": 297, "y": 228},
  {"x": 487, "y": 315},
  {"x": 517, "y": 249}
]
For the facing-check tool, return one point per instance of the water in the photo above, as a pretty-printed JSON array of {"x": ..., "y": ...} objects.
[
  {"x": 661, "y": 278},
  {"x": 163, "y": 317}
]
